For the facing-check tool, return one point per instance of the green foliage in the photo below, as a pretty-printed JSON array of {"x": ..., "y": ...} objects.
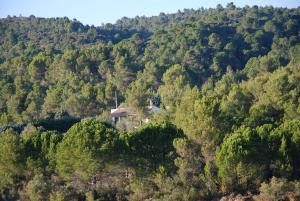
[
  {"x": 241, "y": 160},
  {"x": 82, "y": 151},
  {"x": 175, "y": 80},
  {"x": 41, "y": 150},
  {"x": 202, "y": 120},
  {"x": 38, "y": 188},
  {"x": 12, "y": 159},
  {"x": 265, "y": 150},
  {"x": 286, "y": 146},
  {"x": 48, "y": 65},
  {"x": 263, "y": 114},
  {"x": 190, "y": 170},
  {"x": 278, "y": 189},
  {"x": 138, "y": 96},
  {"x": 154, "y": 142},
  {"x": 37, "y": 67},
  {"x": 228, "y": 77}
]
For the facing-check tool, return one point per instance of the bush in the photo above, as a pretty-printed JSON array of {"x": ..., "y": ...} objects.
[{"x": 279, "y": 189}]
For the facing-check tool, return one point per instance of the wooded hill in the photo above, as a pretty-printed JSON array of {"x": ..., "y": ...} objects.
[{"x": 227, "y": 81}]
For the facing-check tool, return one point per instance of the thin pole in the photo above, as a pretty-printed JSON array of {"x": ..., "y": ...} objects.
[{"x": 116, "y": 99}]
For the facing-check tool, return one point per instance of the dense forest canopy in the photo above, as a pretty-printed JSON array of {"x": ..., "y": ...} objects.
[{"x": 226, "y": 80}]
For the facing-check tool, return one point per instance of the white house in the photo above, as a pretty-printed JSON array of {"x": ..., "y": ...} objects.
[{"x": 120, "y": 113}]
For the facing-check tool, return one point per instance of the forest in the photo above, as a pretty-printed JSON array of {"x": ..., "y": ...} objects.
[{"x": 226, "y": 80}]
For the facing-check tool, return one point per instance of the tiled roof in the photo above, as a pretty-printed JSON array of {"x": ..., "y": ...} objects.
[
  {"x": 120, "y": 112},
  {"x": 125, "y": 111}
]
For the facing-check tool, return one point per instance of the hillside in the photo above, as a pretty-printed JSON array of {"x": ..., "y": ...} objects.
[{"x": 226, "y": 81}]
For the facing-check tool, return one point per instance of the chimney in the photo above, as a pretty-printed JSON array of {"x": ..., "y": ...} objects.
[{"x": 150, "y": 103}]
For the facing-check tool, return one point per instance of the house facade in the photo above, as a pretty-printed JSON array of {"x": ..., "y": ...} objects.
[{"x": 127, "y": 113}]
